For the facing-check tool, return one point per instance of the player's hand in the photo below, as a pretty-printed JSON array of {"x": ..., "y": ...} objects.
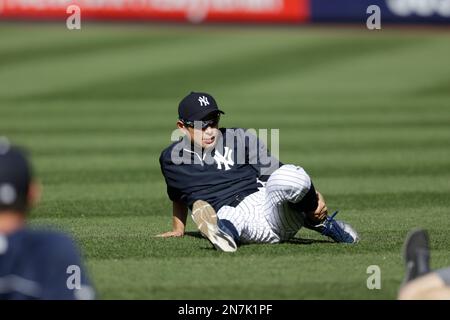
[
  {"x": 171, "y": 234},
  {"x": 321, "y": 211}
]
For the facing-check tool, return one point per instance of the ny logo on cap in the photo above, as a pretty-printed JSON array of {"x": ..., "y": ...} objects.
[{"x": 203, "y": 101}]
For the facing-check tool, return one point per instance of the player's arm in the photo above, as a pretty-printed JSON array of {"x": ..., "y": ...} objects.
[
  {"x": 321, "y": 211},
  {"x": 179, "y": 216},
  {"x": 179, "y": 209},
  {"x": 313, "y": 204}
]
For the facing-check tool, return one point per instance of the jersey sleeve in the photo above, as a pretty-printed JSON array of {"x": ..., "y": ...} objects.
[{"x": 173, "y": 192}]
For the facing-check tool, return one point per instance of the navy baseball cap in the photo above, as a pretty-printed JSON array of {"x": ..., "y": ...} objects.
[
  {"x": 15, "y": 177},
  {"x": 196, "y": 106}
]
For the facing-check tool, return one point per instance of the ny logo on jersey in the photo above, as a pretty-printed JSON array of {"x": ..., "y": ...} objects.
[
  {"x": 203, "y": 101},
  {"x": 226, "y": 160}
]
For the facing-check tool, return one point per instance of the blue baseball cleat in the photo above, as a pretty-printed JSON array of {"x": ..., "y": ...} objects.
[{"x": 337, "y": 230}]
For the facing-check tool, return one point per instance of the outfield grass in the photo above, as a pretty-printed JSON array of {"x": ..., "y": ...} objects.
[{"x": 367, "y": 114}]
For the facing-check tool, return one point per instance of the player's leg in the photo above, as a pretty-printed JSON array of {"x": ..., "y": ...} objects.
[
  {"x": 248, "y": 219},
  {"x": 290, "y": 183},
  {"x": 220, "y": 233},
  {"x": 284, "y": 220},
  {"x": 289, "y": 195},
  {"x": 286, "y": 186},
  {"x": 231, "y": 226}
]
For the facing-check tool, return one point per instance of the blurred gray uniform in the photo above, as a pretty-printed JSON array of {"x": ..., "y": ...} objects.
[{"x": 444, "y": 274}]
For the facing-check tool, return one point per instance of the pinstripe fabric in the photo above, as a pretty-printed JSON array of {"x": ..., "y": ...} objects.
[{"x": 265, "y": 216}]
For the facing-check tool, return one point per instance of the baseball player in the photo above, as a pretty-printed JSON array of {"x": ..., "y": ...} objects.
[
  {"x": 236, "y": 191},
  {"x": 34, "y": 264}
]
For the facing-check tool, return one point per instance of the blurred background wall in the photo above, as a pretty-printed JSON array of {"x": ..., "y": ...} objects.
[{"x": 246, "y": 11}]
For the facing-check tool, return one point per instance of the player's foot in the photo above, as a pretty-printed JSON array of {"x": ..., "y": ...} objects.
[
  {"x": 205, "y": 218},
  {"x": 416, "y": 253},
  {"x": 337, "y": 230}
]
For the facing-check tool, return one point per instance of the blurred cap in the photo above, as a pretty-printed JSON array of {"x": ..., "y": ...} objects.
[
  {"x": 15, "y": 178},
  {"x": 196, "y": 106}
]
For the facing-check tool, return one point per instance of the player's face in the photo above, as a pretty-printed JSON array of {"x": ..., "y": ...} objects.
[{"x": 205, "y": 137}]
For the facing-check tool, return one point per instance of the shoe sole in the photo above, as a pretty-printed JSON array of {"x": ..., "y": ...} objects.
[
  {"x": 205, "y": 217},
  {"x": 416, "y": 239}
]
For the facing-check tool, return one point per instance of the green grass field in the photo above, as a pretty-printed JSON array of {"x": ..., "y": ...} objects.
[{"x": 367, "y": 114}]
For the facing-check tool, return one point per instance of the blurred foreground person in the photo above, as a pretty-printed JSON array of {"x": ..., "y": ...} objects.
[
  {"x": 420, "y": 282},
  {"x": 33, "y": 264}
]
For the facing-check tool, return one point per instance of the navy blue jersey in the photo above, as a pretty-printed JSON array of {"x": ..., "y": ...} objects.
[
  {"x": 41, "y": 265},
  {"x": 232, "y": 168}
]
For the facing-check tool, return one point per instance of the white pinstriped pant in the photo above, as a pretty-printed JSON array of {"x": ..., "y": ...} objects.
[{"x": 265, "y": 216}]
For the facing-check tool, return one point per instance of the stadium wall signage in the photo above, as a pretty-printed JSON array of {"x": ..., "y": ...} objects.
[
  {"x": 287, "y": 11},
  {"x": 241, "y": 11},
  {"x": 394, "y": 11}
]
